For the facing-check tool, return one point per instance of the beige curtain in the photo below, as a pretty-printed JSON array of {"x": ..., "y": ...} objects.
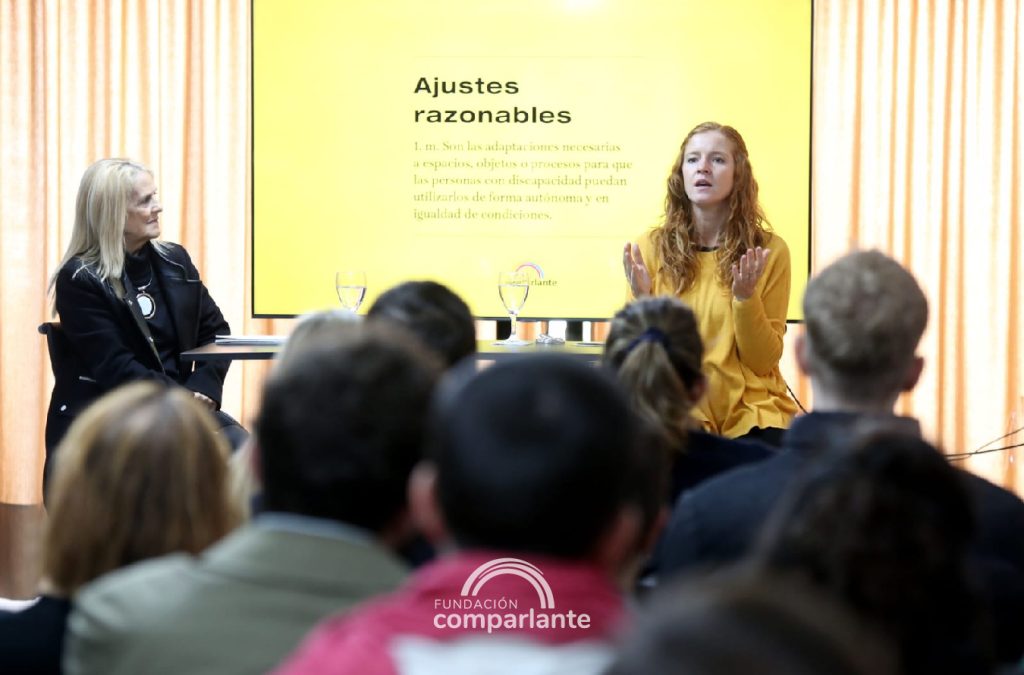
[
  {"x": 162, "y": 81},
  {"x": 917, "y": 151},
  {"x": 918, "y": 126}
]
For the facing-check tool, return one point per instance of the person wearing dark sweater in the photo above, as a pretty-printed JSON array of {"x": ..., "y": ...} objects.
[{"x": 864, "y": 316}]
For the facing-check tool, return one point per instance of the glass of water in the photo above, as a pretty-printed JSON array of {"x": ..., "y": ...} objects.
[
  {"x": 513, "y": 287},
  {"x": 351, "y": 288}
]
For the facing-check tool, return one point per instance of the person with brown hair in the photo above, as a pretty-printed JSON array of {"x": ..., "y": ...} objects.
[
  {"x": 142, "y": 474},
  {"x": 746, "y": 622},
  {"x": 885, "y": 527},
  {"x": 654, "y": 348},
  {"x": 715, "y": 251},
  {"x": 340, "y": 427}
]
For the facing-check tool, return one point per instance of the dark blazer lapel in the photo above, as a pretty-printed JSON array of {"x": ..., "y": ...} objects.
[{"x": 181, "y": 295}]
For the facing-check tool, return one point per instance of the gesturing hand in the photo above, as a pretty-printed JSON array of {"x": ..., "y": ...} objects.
[
  {"x": 747, "y": 271},
  {"x": 636, "y": 271}
]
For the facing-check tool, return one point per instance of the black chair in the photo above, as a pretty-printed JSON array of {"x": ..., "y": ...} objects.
[
  {"x": 58, "y": 417},
  {"x": 58, "y": 347}
]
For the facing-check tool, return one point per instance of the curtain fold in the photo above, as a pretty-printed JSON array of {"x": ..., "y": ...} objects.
[
  {"x": 917, "y": 151},
  {"x": 165, "y": 82}
]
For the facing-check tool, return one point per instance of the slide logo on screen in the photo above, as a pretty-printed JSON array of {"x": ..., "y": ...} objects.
[{"x": 537, "y": 276}]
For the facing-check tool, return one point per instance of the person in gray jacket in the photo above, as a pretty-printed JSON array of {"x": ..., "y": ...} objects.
[{"x": 339, "y": 430}]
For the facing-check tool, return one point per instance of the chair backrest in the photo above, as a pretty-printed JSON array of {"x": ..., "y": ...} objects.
[{"x": 61, "y": 354}]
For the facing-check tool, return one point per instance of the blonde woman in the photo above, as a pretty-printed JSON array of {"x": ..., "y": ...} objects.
[
  {"x": 142, "y": 474},
  {"x": 715, "y": 251},
  {"x": 128, "y": 303}
]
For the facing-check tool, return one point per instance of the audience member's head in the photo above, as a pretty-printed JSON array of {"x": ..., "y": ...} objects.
[
  {"x": 655, "y": 349},
  {"x": 342, "y": 424},
  {"x": 327, "y": 324},
  {"x": 884, "y": 527},
  {"x": 431, "y": 312},
  {"x": 743, "y": 623},
  {"x": 142, "y": 473},
  {"x": 542, "y": 455},
  {"x": 331, "y": 322},
  {"x": 864, "y": 315}
]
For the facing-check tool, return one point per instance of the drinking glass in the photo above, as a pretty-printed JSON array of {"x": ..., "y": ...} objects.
[
  {"x": 351, "y": 287},
  {"x": 513, "y": 287}
]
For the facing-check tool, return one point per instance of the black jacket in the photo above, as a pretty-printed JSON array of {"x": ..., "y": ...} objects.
[
  {"x": 104, "y": 344},
  {"x": 718, "y": 522},
  {"x": 32, "y": 640}
]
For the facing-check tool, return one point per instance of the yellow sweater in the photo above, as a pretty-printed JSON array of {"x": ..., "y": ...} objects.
[{"x": 742, "y": 342}]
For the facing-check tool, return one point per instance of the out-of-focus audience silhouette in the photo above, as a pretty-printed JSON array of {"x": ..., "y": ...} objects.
[
  {"x": 864, "y": 316},
  {"x": 245, "y": 482},
  {"x": 885, "y": 528},
  {"x": 743, "y": 622},
  {"x": 433, "y": 313},
  {"x": 655, "y": 349},
  {"x": 542, "y": 485},
  {"x": 339, "y": 429},
  {"x": 535, "y": 472},
  {"x": 142, "y": 473}
]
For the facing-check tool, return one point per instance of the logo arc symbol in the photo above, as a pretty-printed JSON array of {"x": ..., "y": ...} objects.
[
  {"x": 515, "y": 567},
  {"x": 532, "y": 266}
]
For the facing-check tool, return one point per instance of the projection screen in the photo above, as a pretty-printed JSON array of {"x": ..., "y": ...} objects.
[{"x": 454, "y": 139}]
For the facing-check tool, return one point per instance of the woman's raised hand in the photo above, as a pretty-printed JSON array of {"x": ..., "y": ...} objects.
[
  {"x": 636, "y": 271},
  {"x": 747, "y": 271}
]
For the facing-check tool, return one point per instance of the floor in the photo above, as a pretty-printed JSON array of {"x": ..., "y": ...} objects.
[{"x": 21, "y": 534}]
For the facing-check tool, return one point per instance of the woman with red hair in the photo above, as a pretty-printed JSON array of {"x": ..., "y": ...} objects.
[{"x": 716, "y": 252}]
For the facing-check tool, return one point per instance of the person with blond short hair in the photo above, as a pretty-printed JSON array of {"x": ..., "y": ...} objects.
[{"x": 863, "y": 318}]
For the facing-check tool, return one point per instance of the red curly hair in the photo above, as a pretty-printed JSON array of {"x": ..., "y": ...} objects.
[{"x": 746, "y": 226}]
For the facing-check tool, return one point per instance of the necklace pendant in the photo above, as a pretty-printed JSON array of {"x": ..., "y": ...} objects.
[{"x": 146, "y": 304}]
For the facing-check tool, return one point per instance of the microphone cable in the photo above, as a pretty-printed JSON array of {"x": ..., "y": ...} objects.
[{"x": 956, "y": 456}]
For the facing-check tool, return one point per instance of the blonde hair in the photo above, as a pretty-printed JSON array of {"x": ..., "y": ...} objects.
[
  {"x": 654, "y": 347},
  {"x": 864, "y": 315},
  {"x": 746, "y": 226},
  {"x": 101, "y": 210},
  {"x": 141, "y": 473}
]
